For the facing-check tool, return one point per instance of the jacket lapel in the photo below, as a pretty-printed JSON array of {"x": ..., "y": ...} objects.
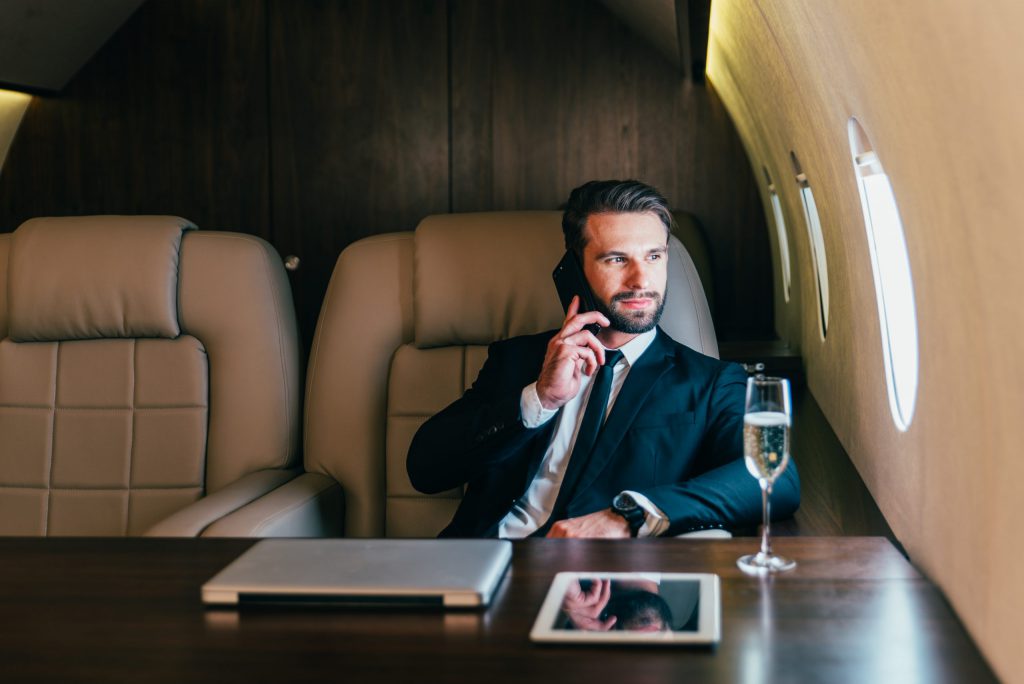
[{"x": 642, "y": 378}]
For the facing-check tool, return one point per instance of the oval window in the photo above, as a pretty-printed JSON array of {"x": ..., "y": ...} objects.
[
  {"x": 817, "y": 241},
  {"x": 890, "y": 266},
  {"x": 780, "y": 232}
]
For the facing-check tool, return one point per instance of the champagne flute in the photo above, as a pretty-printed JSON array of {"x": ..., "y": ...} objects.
[{"x": 766, "y": 425}]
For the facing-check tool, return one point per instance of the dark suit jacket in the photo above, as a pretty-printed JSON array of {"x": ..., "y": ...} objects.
[{"x": 675, "y": 435}]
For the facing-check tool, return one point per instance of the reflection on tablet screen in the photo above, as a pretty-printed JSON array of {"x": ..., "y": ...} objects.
[{"x": 636, "y": 604}]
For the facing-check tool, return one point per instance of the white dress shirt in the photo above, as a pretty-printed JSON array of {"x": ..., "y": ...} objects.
[{"x": 534, "y": 507}]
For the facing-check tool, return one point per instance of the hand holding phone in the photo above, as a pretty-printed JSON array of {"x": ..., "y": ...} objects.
[{"x": 574, "y": 350}]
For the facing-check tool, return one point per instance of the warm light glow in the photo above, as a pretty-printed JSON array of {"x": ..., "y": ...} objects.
[
  {"x": 12, "y": 108},
  {"x": 715, "y": 24}
]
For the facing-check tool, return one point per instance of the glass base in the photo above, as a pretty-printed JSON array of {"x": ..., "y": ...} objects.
[{"x": 764, "y": 564}]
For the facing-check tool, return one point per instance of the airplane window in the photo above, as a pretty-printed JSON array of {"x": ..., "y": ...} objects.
[
  {"x": 890, "y": 265},
  {"x": 817, "y": 243},
  {"x": 780, "y": 231}
]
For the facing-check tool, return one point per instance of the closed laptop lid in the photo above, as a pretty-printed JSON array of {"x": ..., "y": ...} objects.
[{"x": 412, "y": 572}]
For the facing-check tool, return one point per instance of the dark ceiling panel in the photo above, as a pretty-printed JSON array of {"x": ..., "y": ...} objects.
[{"x": 43, "y": 43}]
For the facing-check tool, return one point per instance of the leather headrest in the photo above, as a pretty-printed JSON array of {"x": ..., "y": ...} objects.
[
  {"x": 481, "y": 277},
  {"x": 94, "y": 277}
]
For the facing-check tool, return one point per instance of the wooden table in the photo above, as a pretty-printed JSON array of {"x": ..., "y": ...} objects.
[{"x": 128, "y": 610}]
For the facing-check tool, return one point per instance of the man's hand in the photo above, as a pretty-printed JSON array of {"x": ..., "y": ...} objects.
[
  {"x": 584, "y": 608},
  {"x": 601, "y": 524},
  {"x": 571, "y": 351}
]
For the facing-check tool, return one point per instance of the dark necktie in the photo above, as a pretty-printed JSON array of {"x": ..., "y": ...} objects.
[{"x": 586, "y": 438}]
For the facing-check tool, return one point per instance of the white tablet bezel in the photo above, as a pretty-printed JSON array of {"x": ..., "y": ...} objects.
[{"x": 709, "y": 620}]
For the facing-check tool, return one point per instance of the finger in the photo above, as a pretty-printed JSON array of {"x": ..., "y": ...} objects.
[
  {"x": 578, "y": 354},
  {"x": 606, "y": 592},
  {"x": 595, "y": 591},
  {"x": 587, "y": 347},
  {"x": 609, "y": 623},
  {"x": 573, "y": 324},
  {"x": 556, "y": 531},
  {"x": 574, "y": 307}
]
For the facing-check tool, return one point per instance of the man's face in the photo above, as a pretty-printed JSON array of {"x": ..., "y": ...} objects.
[{"x": 626, "y": 263}]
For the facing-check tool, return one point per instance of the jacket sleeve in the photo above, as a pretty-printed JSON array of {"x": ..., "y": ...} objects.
[
  {"x": 723, "y": 494},
  {"x": 476, "y": 432}
]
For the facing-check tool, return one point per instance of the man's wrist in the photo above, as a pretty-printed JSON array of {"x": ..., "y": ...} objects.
[
  {"x": 627, "y": 507},
  {"x": 656, "y": 523},
  {"x": 531, "y": 409}
]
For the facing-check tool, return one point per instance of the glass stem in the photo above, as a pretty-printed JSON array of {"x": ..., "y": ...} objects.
[{"x": 766, "y": 541}]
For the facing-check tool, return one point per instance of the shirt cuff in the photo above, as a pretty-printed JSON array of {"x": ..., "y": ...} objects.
[
  {"x": 656, "y": 521},
  {"x": 533, "y": 412}
]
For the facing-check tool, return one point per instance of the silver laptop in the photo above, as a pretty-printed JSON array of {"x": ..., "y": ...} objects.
[{"x": 456, "y": 573}]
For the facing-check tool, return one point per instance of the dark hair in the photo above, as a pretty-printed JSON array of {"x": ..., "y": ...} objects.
[
  {"x": 636, "y": 609},
  {"x": 612, "y": 197}
]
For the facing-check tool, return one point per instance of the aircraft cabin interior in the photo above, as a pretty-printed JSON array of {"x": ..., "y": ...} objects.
[{"x": 248, "y": 248}]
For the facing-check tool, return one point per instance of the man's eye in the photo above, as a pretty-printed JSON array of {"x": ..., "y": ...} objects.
[{"x": 655, "y": 257}]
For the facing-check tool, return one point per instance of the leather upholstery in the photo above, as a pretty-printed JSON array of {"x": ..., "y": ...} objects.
[
  {"x": 235, "y": 298},
  {"x": 142, "y": 367},
  {"x": 124, "y": 285},
  {"x": 403, "y": 332},
  {"x": 461, "y": 297}
]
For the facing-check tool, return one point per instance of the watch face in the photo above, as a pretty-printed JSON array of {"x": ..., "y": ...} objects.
[{"x": 624, "y": 502}]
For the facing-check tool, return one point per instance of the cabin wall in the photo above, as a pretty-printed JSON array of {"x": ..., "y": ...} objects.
[
  {"x": 315, "y": 124},
  {"x": 937, "y": 87}
]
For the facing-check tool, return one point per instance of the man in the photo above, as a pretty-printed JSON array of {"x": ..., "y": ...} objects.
[{"x": 667, "y": 443}]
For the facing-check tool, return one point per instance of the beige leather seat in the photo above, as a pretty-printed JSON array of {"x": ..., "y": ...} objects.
[
  {"x": 148, "y": 381},
  {"x": 404, "y": 330}
]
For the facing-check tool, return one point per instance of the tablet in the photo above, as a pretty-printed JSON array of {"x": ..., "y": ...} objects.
[{"x": 669, "y": 609}]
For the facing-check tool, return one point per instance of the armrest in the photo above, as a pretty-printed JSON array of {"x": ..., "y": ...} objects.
[
  {"x": 311, "y": 505},
  {"x": 194, "y": 518}
]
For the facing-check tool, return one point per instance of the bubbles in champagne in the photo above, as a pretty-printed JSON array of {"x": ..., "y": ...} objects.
[{"x": 766, "y": 443}]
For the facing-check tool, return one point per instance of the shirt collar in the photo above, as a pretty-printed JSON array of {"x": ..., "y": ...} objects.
[{"x": 635, "y": 348}]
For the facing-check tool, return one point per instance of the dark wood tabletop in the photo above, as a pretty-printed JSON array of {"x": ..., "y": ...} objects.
[{"x": 128, "y": 610}]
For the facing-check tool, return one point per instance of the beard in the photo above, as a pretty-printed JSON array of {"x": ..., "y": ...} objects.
[{"x": 633, "y": 322}]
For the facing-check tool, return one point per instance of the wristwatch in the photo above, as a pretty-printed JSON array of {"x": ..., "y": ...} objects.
[{"x": 628, "y": 508}]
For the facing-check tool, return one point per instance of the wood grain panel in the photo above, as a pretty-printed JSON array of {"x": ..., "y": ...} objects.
[
  {"x": 852, "y": 611},
  {"x": 168, "y": 118},
  {"x": 314, "y": 124},
  {"x": 794, "y": 73},
  {"x": 360, "y": 128},
  {"x": 546, "y": 96}
]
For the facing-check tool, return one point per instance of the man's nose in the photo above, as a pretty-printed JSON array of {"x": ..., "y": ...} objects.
[{"x": 637, "y": 278}]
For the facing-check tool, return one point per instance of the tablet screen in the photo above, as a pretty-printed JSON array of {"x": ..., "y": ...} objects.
[{"x": 630, "y": 607}]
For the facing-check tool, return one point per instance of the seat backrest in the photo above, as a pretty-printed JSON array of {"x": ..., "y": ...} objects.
[
  {"x": 404, "y": 330},
  {"x": 143, "y": 364}
]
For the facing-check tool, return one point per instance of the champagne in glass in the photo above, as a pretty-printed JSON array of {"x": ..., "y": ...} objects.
[{"x": 766, "y": 426}]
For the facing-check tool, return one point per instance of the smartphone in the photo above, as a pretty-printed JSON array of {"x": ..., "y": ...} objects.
[{"x": 570, "y": 281}]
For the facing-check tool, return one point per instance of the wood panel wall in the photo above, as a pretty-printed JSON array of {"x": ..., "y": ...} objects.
[
  {"x": 314, "y": 124},
  {"x": 946, "y": 125}
]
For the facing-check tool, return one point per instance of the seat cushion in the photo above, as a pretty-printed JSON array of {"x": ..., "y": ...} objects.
[
  {"x": 422, "y": 382},
  {"x": 100, "y": 437}
]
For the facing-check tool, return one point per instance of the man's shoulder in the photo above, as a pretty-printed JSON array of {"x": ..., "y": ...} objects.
[{"x": 696, "y": 362}]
